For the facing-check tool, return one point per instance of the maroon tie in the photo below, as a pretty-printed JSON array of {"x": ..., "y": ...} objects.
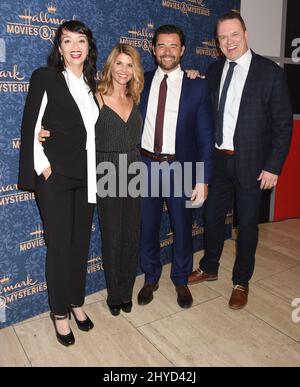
[{"x": 159, "y": 123}]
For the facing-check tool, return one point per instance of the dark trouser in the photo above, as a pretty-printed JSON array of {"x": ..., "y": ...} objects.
[
  {"x": 223, "y": 189},
  {"x": 181, "y": 222},
  {"x": 67, "y": 218},
  {"x": 120, "y": 230}
]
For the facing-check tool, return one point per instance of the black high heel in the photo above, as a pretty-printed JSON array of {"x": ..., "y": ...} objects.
[
  {"x": 126, "y": 306},
  {"x": 85, "y": 325},
  {"x": 65, "y": 340}
]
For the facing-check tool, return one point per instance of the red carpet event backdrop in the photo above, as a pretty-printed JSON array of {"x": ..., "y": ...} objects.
[{"x": 26, "y": 34}]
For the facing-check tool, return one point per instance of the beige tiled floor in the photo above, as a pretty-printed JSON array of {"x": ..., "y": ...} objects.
[{"x": 162, "y": 334}]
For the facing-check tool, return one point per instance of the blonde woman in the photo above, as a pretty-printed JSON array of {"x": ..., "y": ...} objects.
[{"x": 118, "y": 135}]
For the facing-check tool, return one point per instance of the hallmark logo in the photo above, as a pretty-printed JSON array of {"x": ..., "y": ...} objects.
[
  {"x": 95, "y": 264},
  {"x": 168, "y": 241},
  {"x": 4, "y": 280},
  {"x": 8, "y": 196},
  {"x": 209, "y": 48},
  {"x": 140, "y": 38},
  {"x": 192, "y": 6},
  {"x": 16, "y": 143},
  {"x": 51, "y": 8},
  {"x": 13, "y": 81},
  {"x": 197, "y": 230},
  {"x": 8, "y": 188},
  {"x": 42, "y": 24},
  {"x": 36, "y": 242},
  {"x": 18, "y": 285},
  {"x": 20, "y": 290}
]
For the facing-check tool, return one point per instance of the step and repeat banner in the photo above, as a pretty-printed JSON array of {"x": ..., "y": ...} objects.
[{"x": 27, "y": 28}]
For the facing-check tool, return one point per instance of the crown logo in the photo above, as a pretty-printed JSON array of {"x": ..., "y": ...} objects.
[
  {"x": 4, "y": 280},
  {"x": 51, "y": 8},
  {"x": 94, "y": 259},
  {"x": 150, "y": 24}
]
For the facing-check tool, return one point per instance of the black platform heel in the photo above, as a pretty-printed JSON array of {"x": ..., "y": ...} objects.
[
  {"x": 65, "y": 340},
  {"x": 126, "y": 306},
  {"x": 85, "y": 325}
]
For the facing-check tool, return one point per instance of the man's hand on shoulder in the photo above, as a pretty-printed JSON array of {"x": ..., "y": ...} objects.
[{"x": 193, "y": 74}]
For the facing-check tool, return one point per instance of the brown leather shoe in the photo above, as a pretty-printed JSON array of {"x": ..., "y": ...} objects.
[
  {"x": 146, "y": 293},
  {"x": 199, "y": 275},
  {"x": 184, "y": 296},
  {"x": 239, "y": 297}
]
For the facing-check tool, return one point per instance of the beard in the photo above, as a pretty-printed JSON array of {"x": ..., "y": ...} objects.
[{"x": 170, "y": 65}]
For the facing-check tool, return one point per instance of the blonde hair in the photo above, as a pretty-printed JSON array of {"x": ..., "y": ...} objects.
[{"x": 135, "y": 85}]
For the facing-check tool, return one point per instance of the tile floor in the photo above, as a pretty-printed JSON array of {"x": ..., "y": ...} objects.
[{"x": 162, "y": 334}]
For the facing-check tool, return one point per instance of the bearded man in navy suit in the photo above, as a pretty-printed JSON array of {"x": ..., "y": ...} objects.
[
  {"x": 253, "y": 125},
  {"x": 178, "y": 127}
]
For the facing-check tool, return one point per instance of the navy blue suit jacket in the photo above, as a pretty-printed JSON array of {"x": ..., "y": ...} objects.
[
  {"x": 195, "y": 128},
  {"x": 264, "y": 125}
]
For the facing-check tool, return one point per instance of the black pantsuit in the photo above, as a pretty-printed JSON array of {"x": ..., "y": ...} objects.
[
  {"x": 120, "y": 217},
  {"x": 120, "y": 229},
  {"x": 62, "y": 199},
  {"x": 67, "y": 218}
]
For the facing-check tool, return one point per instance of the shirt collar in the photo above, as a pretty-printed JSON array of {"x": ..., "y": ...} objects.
[
  {"x": 244, "y": 60},
  {"x": 72, "y": 78},
  {"x": 172, "y": 75}
]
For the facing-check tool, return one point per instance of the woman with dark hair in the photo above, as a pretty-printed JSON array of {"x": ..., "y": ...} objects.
[{"x": 62, "y": 173}]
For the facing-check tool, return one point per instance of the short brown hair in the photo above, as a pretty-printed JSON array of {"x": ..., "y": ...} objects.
[
  {"x": 230, "y": 16},
  {"x": 169, "y": 29}
]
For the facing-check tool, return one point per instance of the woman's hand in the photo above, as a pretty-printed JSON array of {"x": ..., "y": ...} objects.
[
  {"x": 43, "y": 134},
  {"x": 47, "y": 172}
]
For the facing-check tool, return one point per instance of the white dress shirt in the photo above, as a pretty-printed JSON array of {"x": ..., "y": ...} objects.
[
  {"x": 233, "y": 99},
  {"x": 89, "y": 113},
  {"x": 174, "y": 84}
]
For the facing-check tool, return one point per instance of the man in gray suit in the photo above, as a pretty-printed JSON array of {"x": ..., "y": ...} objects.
[{"x": 253, "y": 124}]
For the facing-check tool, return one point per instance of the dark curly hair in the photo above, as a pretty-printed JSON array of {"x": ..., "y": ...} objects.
[{"x": 89, "y": 67}]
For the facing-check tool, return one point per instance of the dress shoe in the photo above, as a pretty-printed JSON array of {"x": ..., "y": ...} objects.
[
  {"x": 126, "y": 306},
  {"x": 239, "y": 297},
  {"x": 199, "y": 275},
  {"x": 146, "y": 293},
  {"x": 184, "y": 296},
  {"x": 65, "y": 340},
  {"x": 85, "y": 325},
  {"x": 114, "y": 309}
]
